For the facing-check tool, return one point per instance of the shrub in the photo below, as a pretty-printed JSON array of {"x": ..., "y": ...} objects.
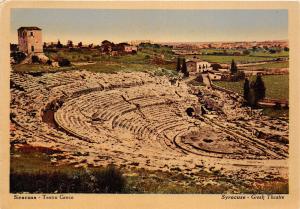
[
  {"x": 35, "y": 59},
  {"x": 18, "y": 56},
  {"x": 49, "y": 62},
  {"x": 272, "y": 51},
  {"x": 239, "y": 75},
  {"x": 87, "y": 58},
  {"x": 246, "y": 52},
  {"x": 64, "y": 63},
  {"x": 51, "y": 50},
  {"x": 216, "y": 66},
  {"x": 39, "y": 182},
  {"x": 233, "y": 67},
  {"x": 199, "y": 78},
  {"x": 107, "y": 180}
]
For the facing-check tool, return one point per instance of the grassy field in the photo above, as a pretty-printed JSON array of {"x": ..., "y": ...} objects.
[
  {"x": 210, "y": 51},
  {"x": 271, "y": 65},
  {"x": 267, "y": 54},
  {"x": 254, "y": 56},
  {"x": 238, "y": 59},
  {"x": 277, "y": 86}
]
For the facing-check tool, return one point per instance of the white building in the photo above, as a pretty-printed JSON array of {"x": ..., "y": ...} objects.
[
  {"x": 198, "y": 66},
  {"x": 130, "y": 48}
]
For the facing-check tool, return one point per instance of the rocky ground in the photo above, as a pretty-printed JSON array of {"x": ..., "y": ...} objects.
[{"x": 139, "y": 121}]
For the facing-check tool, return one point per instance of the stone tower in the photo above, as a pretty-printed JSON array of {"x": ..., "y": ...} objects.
[{"x": 30, "y": 40}]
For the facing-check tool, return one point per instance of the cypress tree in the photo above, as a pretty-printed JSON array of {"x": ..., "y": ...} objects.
[
  {"x": 233, "y": 67},
  {"x": 178, "y": 65},
  {"x": 259, "y": 88},
  {"x": 251, "y": 99},
  {"x": 184, "y": 69},
  {"x": 246, "y": 88}
]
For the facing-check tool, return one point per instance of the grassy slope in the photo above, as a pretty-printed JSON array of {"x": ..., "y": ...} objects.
[{"x": 142, "y": 61}]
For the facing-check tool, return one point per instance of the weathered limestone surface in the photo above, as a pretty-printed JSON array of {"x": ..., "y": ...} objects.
[{"x": 139, "y": 119}]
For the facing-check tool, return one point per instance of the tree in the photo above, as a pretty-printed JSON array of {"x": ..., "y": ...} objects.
[
  {"x": 59, "y": 45},
  {"x": 184, "y": 69},
  {"x": 216, "y": 66},
  {"x": 64, "y": 62},
  {"x": 286, "y": 49},
  {"x": 259, "y": 88},
  {"x": 266, "y": 47},
  {"x": 106, "y": 42},
  {"x": 272, "y": 51},
  {"x": 233, "y": 68},
  {"x": 251, "y": 99},
  {"x": 178, "y": 66},
  {"x": 246, "y": 52},
  {"x": 79, "y": 45},
  {"x": 70, "y": 44},
  {"x": 35, "y": 59},
  {"x": 246, "y": 88},
  {"x": 107, "y": 46},
  {"x": 18, "y": 56},
  {"x": 14, "y": 47},
  {"x": 240, "y": 75}
]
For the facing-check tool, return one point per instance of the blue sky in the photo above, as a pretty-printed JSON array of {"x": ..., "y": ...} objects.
[{"x": 95, "y": 25}]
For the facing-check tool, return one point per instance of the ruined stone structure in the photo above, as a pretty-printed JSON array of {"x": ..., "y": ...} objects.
[
  {"x": 141, "y": 119},
  {"x": 30, "y": 40}
]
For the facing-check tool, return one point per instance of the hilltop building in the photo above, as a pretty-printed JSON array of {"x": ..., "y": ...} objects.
[{"x": 30, "y": 40}]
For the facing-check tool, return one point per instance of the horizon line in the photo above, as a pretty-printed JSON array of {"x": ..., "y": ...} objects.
[{"x": 265, "y": 40}]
